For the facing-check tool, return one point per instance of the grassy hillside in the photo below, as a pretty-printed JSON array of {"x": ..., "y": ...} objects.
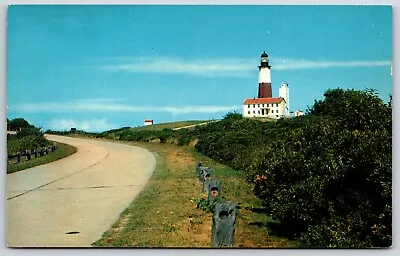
[
  {"x": 115, "y": 134},
  {"x": 171, "y": 125}
]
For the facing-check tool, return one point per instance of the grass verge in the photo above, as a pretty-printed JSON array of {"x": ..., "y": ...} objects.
[
  {"x": 63, "y": 150},
  {"x": 164, "y": 214}
]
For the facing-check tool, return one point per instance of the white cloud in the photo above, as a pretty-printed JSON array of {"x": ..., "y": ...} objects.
[
  {"x": 226, "y": 67},
  {"x": 287, "y": 64},
  {"x": 199, "y": 109},
  {"x": 99, "y": 100},
  {"x": 93, "y": 105},
  {"x": 93, "y": 125},
  {"x": 165, "y": 65}
]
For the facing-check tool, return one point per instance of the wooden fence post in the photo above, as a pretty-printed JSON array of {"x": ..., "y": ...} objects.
[
  {"x": 214, "y": 190},
  {"x": 206, "y": 182},
  {"x": 205, "y": 171},
  {"x": 201, "y": 171},
  {"x": 198, "y": 165},
  {"x": 223, "y": 224}
]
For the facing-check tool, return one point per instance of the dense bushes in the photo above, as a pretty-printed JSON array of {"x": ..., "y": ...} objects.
[
  {"x": 58, "y": 132},
  {"x": 326, "y": 177},
  {"x": 331, "y": 181},
  {"x": 17, "y": 124},
  {"x": 355, "y": 109},
  {"x": 25, "y": 139}
]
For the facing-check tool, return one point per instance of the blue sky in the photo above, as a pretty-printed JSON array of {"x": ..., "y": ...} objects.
[{"x": 104, "y": 67}]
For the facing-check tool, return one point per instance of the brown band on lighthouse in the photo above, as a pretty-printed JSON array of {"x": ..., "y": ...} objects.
[{"x": 264, "y": 90}]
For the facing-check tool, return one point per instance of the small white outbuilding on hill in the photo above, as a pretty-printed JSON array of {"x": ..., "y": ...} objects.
[{"x": 148, "y": 122}]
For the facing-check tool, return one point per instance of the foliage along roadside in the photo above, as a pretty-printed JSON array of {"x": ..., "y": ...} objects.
[
  {"x": 17, "y": 124},
  {"x": 63, "y": 150},
  {"x": 29, "y": 137},
  {"x": 26, "y": 138},
  {"x": 325, "y": 177}
]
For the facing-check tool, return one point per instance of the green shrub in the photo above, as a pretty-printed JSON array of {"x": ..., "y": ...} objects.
[
  {"x": 17, "y": 124},
  {"x": 205, "y": 204},
  {"x": 165, "y": 134},
  {"x": 26, "y": 139},
  {"x": 334, "y": 234},
  {"x": 332, "y": 176},
  {"x": 31, "y": 131},
  {"x": 357, "y": 110},
  {"x": 326, "y": 176},
  {"x": 233, "y": 116}
]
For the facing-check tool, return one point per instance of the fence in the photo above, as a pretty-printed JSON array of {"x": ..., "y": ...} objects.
[
  {"x": 29, "y": 154},
  {"x": 224, "y": 216}
]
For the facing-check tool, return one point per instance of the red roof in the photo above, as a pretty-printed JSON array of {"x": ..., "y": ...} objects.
[
  {"x": 262, "y": 101},
  {"x": 148, "y": 120}
]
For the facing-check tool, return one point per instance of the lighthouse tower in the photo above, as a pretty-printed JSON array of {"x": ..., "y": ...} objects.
[
  {"x": 264, "y": 78},
  {"x": 284, "y": 93}
]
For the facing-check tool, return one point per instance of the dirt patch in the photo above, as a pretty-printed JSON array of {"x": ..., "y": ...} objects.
[
  {"x": 118, "y": 227},
  {"x": 173, "y": 141},
  {"x": 193, "y": 143},
  {"x": 122, "y": 223},
  {"x": 197, "y": 227},
  {"x": 155, "y": 140},
  {"x": 177, "y": 159},
  {"x": 194, "y": 225}
]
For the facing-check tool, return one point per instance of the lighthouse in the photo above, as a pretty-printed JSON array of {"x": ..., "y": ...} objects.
[
  {"x": 264, "y": 77},
  {"x": 266, "y": 106}
]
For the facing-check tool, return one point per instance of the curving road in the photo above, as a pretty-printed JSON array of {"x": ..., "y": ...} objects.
[{"x": 71, "y": 202}]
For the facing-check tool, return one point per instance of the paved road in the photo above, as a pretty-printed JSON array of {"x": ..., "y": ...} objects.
[{"x": 85, "y": 193}]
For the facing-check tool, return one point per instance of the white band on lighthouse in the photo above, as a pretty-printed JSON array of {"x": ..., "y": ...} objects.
[{"x": 264, "y": 75}]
